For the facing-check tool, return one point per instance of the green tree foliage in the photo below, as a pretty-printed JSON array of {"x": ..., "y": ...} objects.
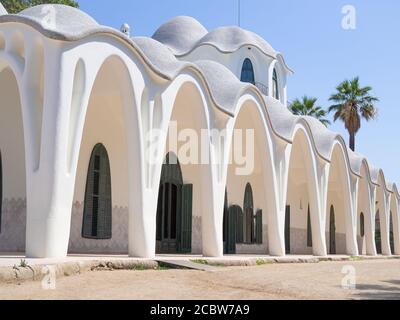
[
  {"x": 306, "y": 106},
  {"x": 353, "y": 103},
  {"x": 15, "y": 6}
]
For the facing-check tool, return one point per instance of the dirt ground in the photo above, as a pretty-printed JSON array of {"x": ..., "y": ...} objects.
[{"x": 374, "y": 280}]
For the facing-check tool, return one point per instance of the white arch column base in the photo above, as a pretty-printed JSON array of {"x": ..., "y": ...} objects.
[
  {"x": 51, "y": 185},
  {"x": 142, "y": 225}
]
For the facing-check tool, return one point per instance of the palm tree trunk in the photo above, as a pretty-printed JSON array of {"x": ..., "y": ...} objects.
[{"x": 352, "y": 142}]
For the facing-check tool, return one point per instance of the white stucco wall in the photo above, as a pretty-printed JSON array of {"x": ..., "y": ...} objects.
[{"x": 13, "y": 215}]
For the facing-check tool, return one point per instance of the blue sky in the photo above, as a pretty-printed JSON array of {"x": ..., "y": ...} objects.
[{"x": 309, "y": 34}]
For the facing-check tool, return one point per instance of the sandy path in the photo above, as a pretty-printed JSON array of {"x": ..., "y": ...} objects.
[{"x": 375, "y": 280}]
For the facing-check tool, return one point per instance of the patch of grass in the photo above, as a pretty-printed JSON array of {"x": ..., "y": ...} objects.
[
  {"x": 23, "y": 264},
  {"x": 138, "y": 267},
  {"x": 162, "y": 266},
  {"x": 355, "y": 258},
  {"x": 200, "y": 261},
  {"x": 261, "y": 262}
]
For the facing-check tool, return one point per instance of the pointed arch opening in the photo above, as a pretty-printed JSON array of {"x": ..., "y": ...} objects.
[
  {"x": 275, "y": 85},
  {"x": 250, "y": 183},
  {"x": 247, "y": 73},
  {"x": 302, "y": 220},
  {"x": 339, "y": 198},
  {"x": 102, "y": 130},
  {"x": 97, "y": 212},
  {"x": 13, "y": 193}
]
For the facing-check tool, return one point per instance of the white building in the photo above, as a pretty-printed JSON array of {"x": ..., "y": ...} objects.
[{"x": 79, "y": 101}]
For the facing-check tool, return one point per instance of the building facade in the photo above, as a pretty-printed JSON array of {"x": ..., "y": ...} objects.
[{"x": 87, "y": 164}]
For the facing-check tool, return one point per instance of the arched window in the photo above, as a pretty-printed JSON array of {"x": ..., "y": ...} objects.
[
  {"x": 247, "y": 72},
  {"x": 309, "y": 230},
  {"x": 275, "y": 85},
  {"x": 1, "y": 189},
  {"x": 97, "y": 213},
  {"x": 362, "y": 225},
  {"x": 248, "y": 210}
]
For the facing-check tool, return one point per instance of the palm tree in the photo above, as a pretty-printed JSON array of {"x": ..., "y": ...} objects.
[
  {"x": 352, "y": 103},
  {"x": 306, "y": 106}
]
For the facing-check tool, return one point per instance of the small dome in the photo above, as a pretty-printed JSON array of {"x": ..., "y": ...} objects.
[
  {"x": 230, "y": 39},
  {"x": 60, "y": 18},
  {"x": 180, "y": 34}
]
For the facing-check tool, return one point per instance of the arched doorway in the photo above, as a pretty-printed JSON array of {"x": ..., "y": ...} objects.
[
  {"x": 13, "y": 196},
  {"x": 332, "y": 232},
  {"x": 247, "y": 74},
  {"x": 378, "y": 240},
  {"x": 97, "y": 212},
  {"x": 174, "y": 210}
]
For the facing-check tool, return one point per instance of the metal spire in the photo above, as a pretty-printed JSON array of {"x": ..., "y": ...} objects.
[{"x": 239, "y": 9}]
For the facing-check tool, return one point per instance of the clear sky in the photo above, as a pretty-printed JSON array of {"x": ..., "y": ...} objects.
[{"x": 310, "y": 35}]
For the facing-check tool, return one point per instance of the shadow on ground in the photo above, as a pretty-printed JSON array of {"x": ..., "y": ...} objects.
[{"x": 391, "y": 291}]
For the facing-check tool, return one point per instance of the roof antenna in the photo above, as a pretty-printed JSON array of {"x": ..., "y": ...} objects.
[{"x": 239, "y": 9}]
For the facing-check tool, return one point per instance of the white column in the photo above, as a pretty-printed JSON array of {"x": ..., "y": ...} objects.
[
  {"x": 50, "y": 187},
  {"x": 385, "y": 224},
  {"x": 370, "y": 220},
  {"x": 351, "y": 220},
  {"x": 321, "y": 195},
  {"x": 276, "y": 219}
]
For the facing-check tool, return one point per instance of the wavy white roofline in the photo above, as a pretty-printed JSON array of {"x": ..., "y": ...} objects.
[
  {"x": 183, "y": 35},
  {"x": 224, "y": 88}
]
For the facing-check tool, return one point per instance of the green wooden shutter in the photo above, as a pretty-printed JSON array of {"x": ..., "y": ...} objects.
[
  {"x": 332, "y": 232},
  {"x": 287, "y": 229},
  {"x": 231, "y": 240},
  {"x": 88, "y": 202},
  {"x": 104, "y": 222},
  {"x": 259, "y": 227},
  {"x": 239, "y": 224},
  {"x": 186, "y": 218},
  {"x": 309, "y": 230}
]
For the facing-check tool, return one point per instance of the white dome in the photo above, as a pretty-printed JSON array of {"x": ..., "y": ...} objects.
[
  {"x": 180, "y": 34},
  {"x": 67, "y": 19},
  {"x": 230, "y": 39}
]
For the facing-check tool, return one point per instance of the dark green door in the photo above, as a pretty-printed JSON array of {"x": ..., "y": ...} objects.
[
  {"x": 174, "y": 210},
  {"x": 378, "y": 241},
  {"x": 231, "y": 237},
  {"x": 332, "y": 232},
  {"x": 287, "y": 230},
  {"x": 185, "y": 221}
]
